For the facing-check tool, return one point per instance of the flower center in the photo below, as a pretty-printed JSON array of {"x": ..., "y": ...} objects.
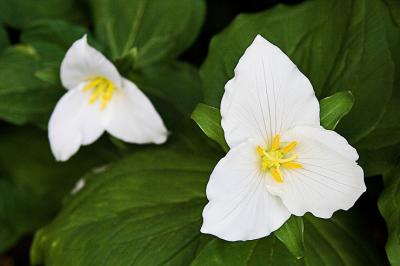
[
  {"x": 102, "y": 89},
  {"x": 278, "y": 156}
]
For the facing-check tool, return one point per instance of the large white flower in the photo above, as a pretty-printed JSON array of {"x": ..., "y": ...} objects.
[
  {"x": 98, "y": 100},
  {"x": 281, "y": 160}
]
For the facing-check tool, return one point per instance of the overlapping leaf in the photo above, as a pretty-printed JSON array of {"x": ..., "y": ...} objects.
[{"x": 339, "y": 45}]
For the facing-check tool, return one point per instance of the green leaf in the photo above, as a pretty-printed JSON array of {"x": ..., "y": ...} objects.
[
  {"x": 341, "y": 46},
  {"x": 268, "y": 251},
  {"x": 291, "y": 234},
  {"x": 155, "y": 30},
  {"x": 145, "y": 210},
  {"x": 389, "y": 202},
  {"x": 19, "y": 13},
  {"x": 4, "y": 42},
  {"x": 32, "y": 183},
  {"x": 327, "y": 242},
  {"x": 25, "y": 98},
  {"x": 334, "y": 108},
  {"x": 387, "y": 132},
  {"x": 208, "y": 118}
]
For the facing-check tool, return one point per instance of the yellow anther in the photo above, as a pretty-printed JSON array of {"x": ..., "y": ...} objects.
[
  {"x": 92, "y": 84},
  {"x": 289, "y": 147},
  {"x": 292, "y": 165},
  {"x": 276, "y": 142},
  {"x": 277, "y": 175},
  {"x": 102, "y": 89},
  {"x": 260, "y": 150},
  {"x": 276, "y": 157},
  {"x": 264, "y": 166}
]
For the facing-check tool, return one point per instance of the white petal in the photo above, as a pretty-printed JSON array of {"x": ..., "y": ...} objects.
[
  {"x": 267, "y": 95},
  {"x": 330, "y": 178},
  {"x": 74, "y": 123},
  {"x": 82, "y": 62},
  {"x": 134, "y": 118},
  {"x": 240, "y": 206}
]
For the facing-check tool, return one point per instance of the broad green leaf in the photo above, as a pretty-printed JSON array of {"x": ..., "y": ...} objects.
[
  {"x": 268, "y": 251},
  {"x": 24, "y": 97},
  {"x": 327, "y": 242},
  {"x": 208, "y": 118},
  {"x": 145, "y": 210},
  {"x": 389, "y": 202},
  {"x": 291, "y": 234},
  {"x": 20, "y": 13},
  {"x": 342, "y": 45},
  {"x": 4, "y": 42},
  {"x": 32, "y": 184},
  {"x": 334, "y": 108},
  {"x": 151, "y": 30},
  {"x": 387, "y": 132}
]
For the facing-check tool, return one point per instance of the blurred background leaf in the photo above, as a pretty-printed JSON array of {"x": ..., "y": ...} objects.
[
  {"x": 175, "y": 83},
  {"x": 4, "y": 42},
  {"x": 389, "y": 203},
  {"x": 32, "y": 184},
  {"x": 51, "y": 39},
  {"x": 24, "y": 97},
  {"x": 153, "y": 30},
  {"x": 20, "y": 13}
]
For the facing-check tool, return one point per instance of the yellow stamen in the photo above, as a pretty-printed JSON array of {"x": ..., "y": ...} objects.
[
  {"x": 277, "y": 175},
  {"x": 275, "y": 142},
  {"x": 276, "y": 157},
  {"x": 260, "y": 150},
  {"x": 290, "y": 147},
  {"x": 102, "y": 89},
  {"x": 292, "y": 165}
]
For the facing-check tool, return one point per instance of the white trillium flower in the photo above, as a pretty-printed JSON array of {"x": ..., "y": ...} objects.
[
  {"x": 281, "y": 160},
  {"x": 98, "y": 100}
]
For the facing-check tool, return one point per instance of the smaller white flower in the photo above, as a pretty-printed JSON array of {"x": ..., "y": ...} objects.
[
  {"x": 98, "y": 100},
  {"x": 281, "y": 160}
]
